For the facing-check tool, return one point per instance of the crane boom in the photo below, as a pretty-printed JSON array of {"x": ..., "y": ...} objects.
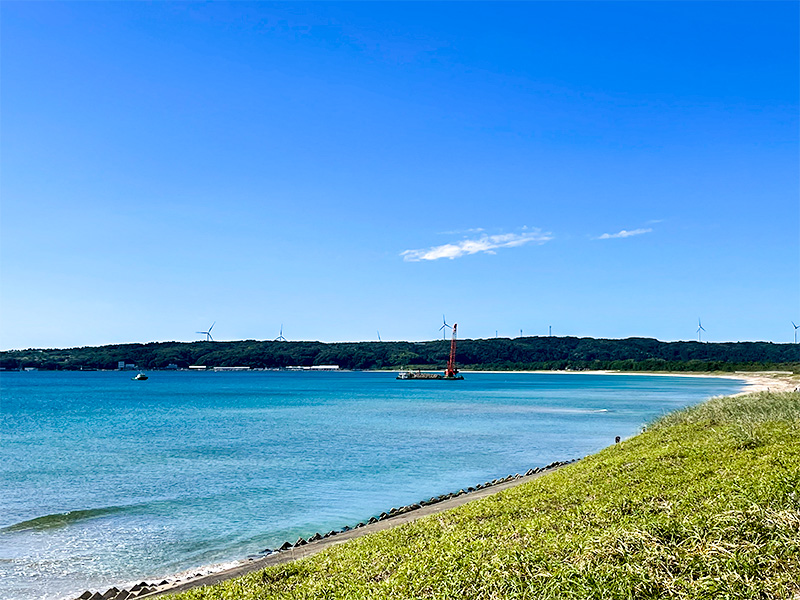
[
  {"x": 450, "y": 373},
  {"x": 451, "y": 362}
]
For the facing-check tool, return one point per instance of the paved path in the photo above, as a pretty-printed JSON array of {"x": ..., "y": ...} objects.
[{"x": 314, "y": 547}]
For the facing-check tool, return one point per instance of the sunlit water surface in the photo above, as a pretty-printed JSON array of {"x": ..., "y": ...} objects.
[{"x": 105, "y": 480}]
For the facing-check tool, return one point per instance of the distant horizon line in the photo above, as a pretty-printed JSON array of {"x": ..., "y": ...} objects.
[{"x": 269, "y": 340}]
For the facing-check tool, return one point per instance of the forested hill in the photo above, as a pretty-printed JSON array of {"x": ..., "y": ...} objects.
[{"x": 631, "y": 354}]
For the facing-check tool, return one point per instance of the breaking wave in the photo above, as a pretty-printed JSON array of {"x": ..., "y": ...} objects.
[{"x": 67, "y": 518}]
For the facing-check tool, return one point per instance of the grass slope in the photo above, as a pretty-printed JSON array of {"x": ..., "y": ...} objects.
[{"x": 704, "y": 504}]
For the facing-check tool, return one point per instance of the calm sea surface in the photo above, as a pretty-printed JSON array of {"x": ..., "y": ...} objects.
[{"x": 105, "y": 480}]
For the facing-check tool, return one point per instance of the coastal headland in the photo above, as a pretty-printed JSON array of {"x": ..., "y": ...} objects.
[
  {"x": 495, "y": 354},
  {"x": 753, "y": 429}
]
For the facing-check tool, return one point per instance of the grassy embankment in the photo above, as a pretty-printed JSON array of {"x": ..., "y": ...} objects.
[{"x": 704, "y": 504}]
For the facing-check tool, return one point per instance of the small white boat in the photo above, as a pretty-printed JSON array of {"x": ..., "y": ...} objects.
[{"x": 139, "y": 377}]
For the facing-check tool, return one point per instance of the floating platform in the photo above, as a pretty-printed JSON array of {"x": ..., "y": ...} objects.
[{"x": 421, "y": 375}]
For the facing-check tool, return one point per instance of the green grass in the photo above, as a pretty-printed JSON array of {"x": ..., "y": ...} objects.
[{"x": 704, "y": 504}]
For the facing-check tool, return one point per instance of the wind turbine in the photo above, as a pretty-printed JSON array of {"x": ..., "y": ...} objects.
[
  {"x": 379, "y": 336},
  {"x": 280, "y": 337},
  {"x": 795, "y": 331},
  {"x": 444, "y": 327},
  {"x": 699, "y": 329},
  {"x": 208, "y": 333}
]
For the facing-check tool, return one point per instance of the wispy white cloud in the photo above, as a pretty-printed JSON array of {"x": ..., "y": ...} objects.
[
  {"x": 623, "y": 234},
  {"x": 463, "y": 231},
  {"x": 485, "y": 243}
]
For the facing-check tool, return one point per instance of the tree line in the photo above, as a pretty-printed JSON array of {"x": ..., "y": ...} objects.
[{"x": 524, "y": 353}]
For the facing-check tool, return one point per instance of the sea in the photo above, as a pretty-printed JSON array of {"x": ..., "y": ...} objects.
[{"x": 108, "y": 481}]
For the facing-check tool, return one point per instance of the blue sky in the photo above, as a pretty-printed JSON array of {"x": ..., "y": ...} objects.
[{"x": 607, "y": 169}]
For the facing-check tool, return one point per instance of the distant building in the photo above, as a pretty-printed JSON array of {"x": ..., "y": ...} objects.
[
  {"x": 171, "y": 367},
  {"x": 231, "y": 368}
]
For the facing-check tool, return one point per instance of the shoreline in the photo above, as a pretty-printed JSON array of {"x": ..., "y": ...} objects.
[
  {"x": 755, "y": 381},
  {"x": 215, "y": 573}
]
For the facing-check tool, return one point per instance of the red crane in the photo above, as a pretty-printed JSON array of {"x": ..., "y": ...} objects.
[{"x": 451, "y": 371}]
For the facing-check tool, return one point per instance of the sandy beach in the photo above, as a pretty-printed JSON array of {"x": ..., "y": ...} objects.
[{"x": 755, "y": 382}]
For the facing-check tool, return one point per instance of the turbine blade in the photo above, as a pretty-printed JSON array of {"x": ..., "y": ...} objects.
[{"x": 212, "y": 326}]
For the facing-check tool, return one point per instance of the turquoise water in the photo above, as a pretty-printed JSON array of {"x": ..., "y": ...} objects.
[{"x": 104, "y": 480}]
